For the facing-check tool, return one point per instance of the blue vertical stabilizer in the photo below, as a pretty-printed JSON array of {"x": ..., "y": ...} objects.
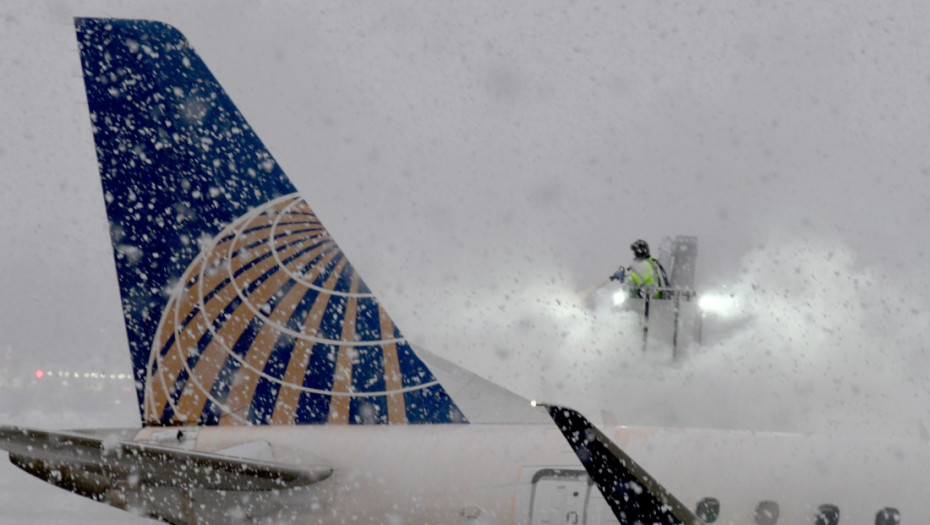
[{"x": 239, "y": 306}]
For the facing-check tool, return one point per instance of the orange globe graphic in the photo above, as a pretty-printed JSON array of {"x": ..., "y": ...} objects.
[{"x": 268, "y": 320}]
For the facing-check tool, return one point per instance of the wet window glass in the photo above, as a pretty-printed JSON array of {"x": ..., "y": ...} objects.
[
  {"x": 828, "y": 515},
  {"x": 766, "y": 513},
  {"x": 888, "y": 516},
  {"x": 708, "y": 509}
]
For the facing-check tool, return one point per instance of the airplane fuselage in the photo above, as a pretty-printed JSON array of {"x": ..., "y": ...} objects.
[{"x": 527, "y": 474}]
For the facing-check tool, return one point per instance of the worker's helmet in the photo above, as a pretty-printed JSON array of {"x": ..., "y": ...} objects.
[{"x": 640, "y": 249}]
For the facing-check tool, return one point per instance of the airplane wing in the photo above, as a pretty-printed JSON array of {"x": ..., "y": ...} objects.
[
  {"x": 633, "y": 495},
  {"x": 88, "y": 464}
]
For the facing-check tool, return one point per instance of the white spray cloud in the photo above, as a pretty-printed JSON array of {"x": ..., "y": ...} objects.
[{"x": 817, "y": 342}]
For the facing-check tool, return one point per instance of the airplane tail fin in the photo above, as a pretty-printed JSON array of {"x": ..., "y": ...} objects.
[
  {"x": 239, "y": 306},
  {"x": 633, "y": 495}
]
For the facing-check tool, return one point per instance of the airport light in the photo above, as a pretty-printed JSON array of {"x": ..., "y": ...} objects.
[
  {"x": 620, "y": 297},
  {"x": 722, "y": 305}
]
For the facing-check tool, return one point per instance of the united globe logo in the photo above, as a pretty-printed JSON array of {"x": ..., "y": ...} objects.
[{"x": 272, "y": 325}]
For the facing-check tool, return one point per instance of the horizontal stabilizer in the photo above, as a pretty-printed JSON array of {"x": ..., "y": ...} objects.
[
  {"x": 633, "y": 495},
  {"x": 102, "y": 462}
]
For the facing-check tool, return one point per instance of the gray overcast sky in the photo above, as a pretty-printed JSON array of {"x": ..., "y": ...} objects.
[{"x": 481, "y": 162}]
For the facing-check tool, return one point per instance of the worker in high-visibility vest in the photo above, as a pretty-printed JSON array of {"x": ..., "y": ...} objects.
[{"x": 645, "y": 275}]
